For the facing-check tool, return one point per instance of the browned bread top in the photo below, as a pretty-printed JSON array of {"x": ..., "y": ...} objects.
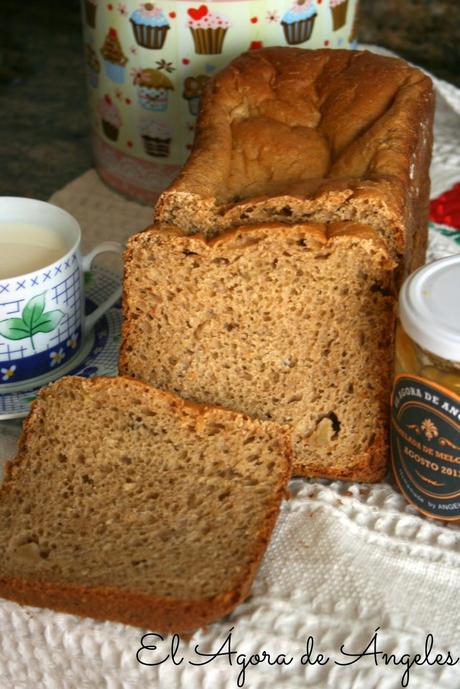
[{"x": 293, "y": 134}]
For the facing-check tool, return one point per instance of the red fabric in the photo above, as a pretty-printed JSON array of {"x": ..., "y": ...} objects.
[{"x": 445, "y": 210}]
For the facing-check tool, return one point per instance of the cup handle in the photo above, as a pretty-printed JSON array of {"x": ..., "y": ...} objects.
[{"x": 86, "y": 261}]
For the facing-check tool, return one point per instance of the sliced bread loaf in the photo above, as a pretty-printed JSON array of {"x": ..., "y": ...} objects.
[
  {"x": 125, "y": 503},
  {"x": 290, "y": 323}
]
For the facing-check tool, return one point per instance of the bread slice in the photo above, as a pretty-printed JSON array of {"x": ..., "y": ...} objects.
[
  {"x": 289, "y": 323},
  {"x": 321, "y": 136},
  {"x": 125, "y": 503}
]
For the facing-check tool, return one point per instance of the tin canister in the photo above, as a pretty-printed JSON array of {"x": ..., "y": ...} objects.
[{"x": 148, "y": 63}]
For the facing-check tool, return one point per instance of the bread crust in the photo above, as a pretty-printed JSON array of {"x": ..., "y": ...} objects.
[
  {"x": 369, "y": 467},
  {"x": 371, "y": 114},
  {"x": 161, "y": 614},
  {"x": 104, "y": 603}
]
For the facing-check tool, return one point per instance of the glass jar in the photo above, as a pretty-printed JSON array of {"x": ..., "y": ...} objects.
[{"x": 425, "y": 433}]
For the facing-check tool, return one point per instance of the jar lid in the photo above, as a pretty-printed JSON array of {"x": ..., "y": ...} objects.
[{"x": 429, "y": 307}]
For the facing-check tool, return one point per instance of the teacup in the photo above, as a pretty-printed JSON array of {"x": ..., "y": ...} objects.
[{"x": 42, "y": 301}]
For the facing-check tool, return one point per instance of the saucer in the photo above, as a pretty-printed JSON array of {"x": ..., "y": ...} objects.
[{"x": 98, "y": 354}]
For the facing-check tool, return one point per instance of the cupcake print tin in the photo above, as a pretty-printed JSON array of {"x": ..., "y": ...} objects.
[{"x": 148, "y": 63}]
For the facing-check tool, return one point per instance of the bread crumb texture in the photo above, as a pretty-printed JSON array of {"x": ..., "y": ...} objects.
[
  {"x": 126, "y": 503},
  {"x": 292, "y": 324}
]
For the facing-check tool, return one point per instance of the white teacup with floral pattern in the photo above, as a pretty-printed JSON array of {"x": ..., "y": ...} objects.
[{"x": 42, "y": 321}]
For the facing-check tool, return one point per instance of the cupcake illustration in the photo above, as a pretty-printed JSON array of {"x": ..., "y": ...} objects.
[
  {"x": 150, "y": 26},
  {"x": 90, "y": 12},
  {"x": 193, "y": 90},
  {"x": 93, "y": 66},
  {"x": 208, "y": 30},
  {"x": 298, "y": 21},
  {"x": 339, "y": 13},
  {"x": 153, "y": 87},
  {"x": 110, "y": 117},
  {"x": 114, "y": 58},
  {"x": 156, "y": 138}
]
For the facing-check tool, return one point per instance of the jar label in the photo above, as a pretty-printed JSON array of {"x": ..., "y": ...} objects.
[{"x": 425, "y": 445}]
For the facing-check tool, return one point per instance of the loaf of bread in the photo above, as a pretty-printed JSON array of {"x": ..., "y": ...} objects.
[
  {"x": 125, "y": 503},
  {"x": 269, "y": 283},
  {"x": 288, "y": 323},
  {"x": 311, "y": 136}
]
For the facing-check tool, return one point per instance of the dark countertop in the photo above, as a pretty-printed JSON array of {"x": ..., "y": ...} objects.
[
  {"x": 425, "y": 32},
  {"x": 44, "y": 127}
]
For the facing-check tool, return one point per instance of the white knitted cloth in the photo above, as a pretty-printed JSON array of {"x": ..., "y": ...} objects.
[{"x": 344, "y": 559}]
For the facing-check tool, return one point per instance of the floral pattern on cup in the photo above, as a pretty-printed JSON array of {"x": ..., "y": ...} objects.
[
  {"x": 153, "y": 87},
  {"x": 114, "y": 58},
  {"x": 208, "y": 30},
  {"x": 33, "y": 336},
  {"x": 110, "y": 117},
  {"x": 72, "y": 342},
  {"x": 33, "y": 319},
  {"x": 57, "y": 357},
  {"x": 298, "y": 22},
  {"x": 150, "y": 26},
  {"x": 8, "y": 373}
]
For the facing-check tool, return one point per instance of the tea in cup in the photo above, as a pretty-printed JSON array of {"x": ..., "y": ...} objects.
[{"x": 42, "y": 319}]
